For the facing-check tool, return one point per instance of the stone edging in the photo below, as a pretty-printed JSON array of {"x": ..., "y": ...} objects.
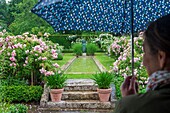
[
  {"x": 64, "y": 67},
  {"x": 99, "y": 65}
]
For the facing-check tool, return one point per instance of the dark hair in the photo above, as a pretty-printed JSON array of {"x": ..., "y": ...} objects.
[{"x": 157, "y": 35}]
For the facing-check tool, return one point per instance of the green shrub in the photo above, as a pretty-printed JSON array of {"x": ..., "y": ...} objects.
[
  {"x": 77, "y": 49},
  {"x": 60, "y": 56},
  {"x": 91, "y": 48},
  {"x": 21, "y": 93},
  {"x": 18, "y": 108},
  {"x": 9, "y": 81},
  {"x": 13, "y": 108},
  {"x": 118, "y": 80}
]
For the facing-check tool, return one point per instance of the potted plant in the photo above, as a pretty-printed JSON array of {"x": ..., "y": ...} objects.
[
  {"x": 103, "y": 80},
  {"x": 56, "y": 83}
]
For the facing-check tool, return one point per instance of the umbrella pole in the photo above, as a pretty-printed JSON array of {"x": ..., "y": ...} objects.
[{"x": 132, "y": 37}]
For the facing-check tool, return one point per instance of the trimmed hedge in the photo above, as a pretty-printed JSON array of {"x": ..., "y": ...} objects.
[
  {"x": 61, "y": 40},
  {"x": 77, "y": 49},
  {"x": 21, "y": 93},
  {"x": 91, "y": 49},
  {"x": 60, "y": 56}
]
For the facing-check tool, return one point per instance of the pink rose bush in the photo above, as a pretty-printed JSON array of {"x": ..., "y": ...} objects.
[
  {"x": 27, "y": 54},
  {"x": 121, "y": 52}
]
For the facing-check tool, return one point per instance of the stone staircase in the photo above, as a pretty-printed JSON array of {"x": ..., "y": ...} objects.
[{"x": 79, "y": 95}]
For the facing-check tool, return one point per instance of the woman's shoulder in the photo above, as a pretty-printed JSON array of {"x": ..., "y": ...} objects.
[
  {"x": 148, "y": 96},
  {"x": 144, "y": 103}
]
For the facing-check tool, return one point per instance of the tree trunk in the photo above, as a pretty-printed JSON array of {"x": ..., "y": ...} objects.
[{"x": 32, "y": 78}]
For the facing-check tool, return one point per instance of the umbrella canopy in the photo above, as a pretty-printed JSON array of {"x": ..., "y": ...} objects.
[{"x": 100, "y": 15}]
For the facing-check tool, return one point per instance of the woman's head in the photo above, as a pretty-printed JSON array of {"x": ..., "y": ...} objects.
[{"x": 157, "y": 45}]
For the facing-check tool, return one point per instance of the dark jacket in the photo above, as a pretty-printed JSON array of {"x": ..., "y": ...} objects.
[{"x": 157, "y": 101}]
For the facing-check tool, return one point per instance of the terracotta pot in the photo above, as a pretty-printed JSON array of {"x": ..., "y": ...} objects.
[
  {"x": 56, "y": 94},
  {"x": 104, "y": 94}
]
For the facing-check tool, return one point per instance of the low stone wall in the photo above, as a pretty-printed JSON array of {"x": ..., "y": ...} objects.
[{"x": 45, "y": 96}]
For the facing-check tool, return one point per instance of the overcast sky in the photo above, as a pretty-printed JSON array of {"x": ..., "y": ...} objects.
[{"x": 8, "y": 1}]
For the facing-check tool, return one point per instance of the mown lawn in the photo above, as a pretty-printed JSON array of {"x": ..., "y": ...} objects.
[
  {"x": 66, "y": 58},
  {"x": 105, "y": 60}
]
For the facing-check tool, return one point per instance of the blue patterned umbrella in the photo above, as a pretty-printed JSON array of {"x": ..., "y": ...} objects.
[
  {"x": 100, "y": 15},
  {"x": 115, "y": 16}
]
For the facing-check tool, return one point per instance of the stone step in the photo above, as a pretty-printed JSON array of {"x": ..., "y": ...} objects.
[
  {"x": 86, "y": 105},
  {"x": 80, "y": 85},
  {"x": 80, "y": 88},
  {"x": 80, "y": 95}
]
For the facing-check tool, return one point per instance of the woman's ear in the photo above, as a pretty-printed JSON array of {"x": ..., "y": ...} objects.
[{"x": 162, "y": 59}]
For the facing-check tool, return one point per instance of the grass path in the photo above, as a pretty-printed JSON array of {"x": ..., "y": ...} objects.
[
  {"x": 66, "y": 58},
  {"x": 106, "y": 61}
]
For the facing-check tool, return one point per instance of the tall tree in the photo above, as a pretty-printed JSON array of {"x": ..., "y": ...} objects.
[
  {"x": 25, "y": 20},
  {"x": 6, "y": 17}
]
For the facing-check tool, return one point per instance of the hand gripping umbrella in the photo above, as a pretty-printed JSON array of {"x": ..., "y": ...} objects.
[{"x": 115, "y": 16}]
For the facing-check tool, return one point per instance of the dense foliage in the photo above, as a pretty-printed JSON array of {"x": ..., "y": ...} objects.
[
  {"x": 25, "y": 20},
  {"x": 77, "y": 49},
  {"x": 91, "y": 49},
  {"x": 61, "y": 40},
  {"x": 56, "y": 81},
  {"x": 60, "y": 56},
  {"x": 12, "y": 81},
  {"x": 21, "y": 93},
  {"x": 13, "y": 108},
  {"x": 103, "y": 79}
]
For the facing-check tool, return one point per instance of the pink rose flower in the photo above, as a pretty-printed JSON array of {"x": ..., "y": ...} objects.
[
  {"x": 44, "y": 58},
  {"x": 27, "y": 51},
  {"x": 56, "y": 65},
  {"x": 42, "y": 71},
  {"x": 55, "y": 55},
  {"x": 53, "y": 51},
  {"x": 12, "y": 59},
  {"x": 48, "y": 73},
  {"x": 13, "y": 53}
]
